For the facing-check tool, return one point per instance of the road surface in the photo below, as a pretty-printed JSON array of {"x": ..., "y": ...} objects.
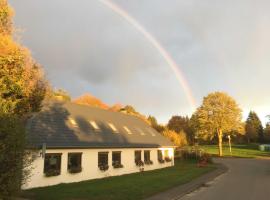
[{"x": 247, "y": 179}]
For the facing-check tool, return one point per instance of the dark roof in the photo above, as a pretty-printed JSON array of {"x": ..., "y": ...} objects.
[{"x": 55, "y": 126}]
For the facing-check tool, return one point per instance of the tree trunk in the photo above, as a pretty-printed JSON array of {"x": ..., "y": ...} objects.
[{"x": 220, "y": 135}]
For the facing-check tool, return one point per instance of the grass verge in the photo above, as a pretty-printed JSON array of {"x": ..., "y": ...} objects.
[
  {"x": 242, "y": 151},
  {"x": 127, "y": 187}
]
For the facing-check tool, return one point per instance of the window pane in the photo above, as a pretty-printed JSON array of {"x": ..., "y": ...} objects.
[
  {"x": 102, "y": 158},
  {"x": 52, "y": 163},
  {"x": 160, "y": 157},
  {"x": 112, "y": 127},
  {"x": 147, "y": 155},
  {"x": 116, "y": 158},
  {"x": 94, "y": 125},
  {"x": 74, "y": 160},
  {"x": 138, "y": 156}
]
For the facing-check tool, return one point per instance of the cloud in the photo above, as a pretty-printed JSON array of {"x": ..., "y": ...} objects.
[{"x": 219, "y": 45}]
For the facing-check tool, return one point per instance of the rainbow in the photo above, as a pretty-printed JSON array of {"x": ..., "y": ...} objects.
[{"x": 168, "y": 58}]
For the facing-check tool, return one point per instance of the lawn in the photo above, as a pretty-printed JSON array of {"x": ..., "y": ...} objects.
[
  {"x": 127, "y": 187},
  {"x": 243, "y": 151}
]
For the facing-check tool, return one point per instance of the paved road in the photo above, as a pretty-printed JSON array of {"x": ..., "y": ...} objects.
[{"x": 247, "y": 179}]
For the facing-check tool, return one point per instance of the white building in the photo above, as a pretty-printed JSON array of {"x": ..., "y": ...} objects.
[{"x": 85, "y": 143}]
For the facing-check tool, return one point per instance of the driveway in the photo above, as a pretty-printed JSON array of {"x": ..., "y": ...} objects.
[{"x": 246, "y": 179}]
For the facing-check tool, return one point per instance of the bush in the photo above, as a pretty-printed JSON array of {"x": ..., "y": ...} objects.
[{"x": 12, "y": 145}]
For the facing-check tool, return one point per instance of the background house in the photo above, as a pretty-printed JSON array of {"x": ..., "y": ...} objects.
[{"x": 76, "y": 143}]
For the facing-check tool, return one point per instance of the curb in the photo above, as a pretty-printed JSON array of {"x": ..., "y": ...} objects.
[{"x": 180, "y": 191}]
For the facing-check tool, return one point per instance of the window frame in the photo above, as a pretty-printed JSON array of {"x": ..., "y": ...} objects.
[
  {"x": 117, "y": 159},
  {"x": 147, "y": 155},
  {"x": 160, "y": 156},
  {"x": 103, "y": 166},
  {"x": 49, "y": 171},
  {"x": 74, "y": 169}
]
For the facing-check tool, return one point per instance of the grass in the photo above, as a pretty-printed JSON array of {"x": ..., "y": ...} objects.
[
  {"x": 127, "y": 187},
  {"x": 242, "y": 151}
]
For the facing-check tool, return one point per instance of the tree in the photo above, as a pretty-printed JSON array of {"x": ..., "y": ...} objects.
[
  {"x": 22, "y": 89},
  {"x": 254, "y": 128},
  {"x": 60, "y": 94},
  {"x": 180, "y": 123},
  {"x": 219, "y": 113},
  {"x": 153, "y": 122},
  {"x": 179, "y": 139}
]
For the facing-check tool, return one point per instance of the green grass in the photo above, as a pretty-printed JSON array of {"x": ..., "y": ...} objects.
[
  {"x": 242, "y": 151},
  {"x": 127, "y": 187}
]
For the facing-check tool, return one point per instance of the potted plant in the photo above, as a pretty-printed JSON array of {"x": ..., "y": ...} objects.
[
  {"x": 160, "y": 160},
  {"x": 117, "y": 165},
  {"x": 52, "y": 172},
  {"x": 139, "y": 163},
  {"x": 148, "y": 162},
  {"x": 103, "y": 167}
]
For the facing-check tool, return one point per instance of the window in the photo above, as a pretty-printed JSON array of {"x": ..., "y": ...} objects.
[
  {"x": 127, "y": 130},
  {"x": 112, "y": 127},
  {"x": 75, "y": 162},
  {"x": 52, "y": 164},
  {"x": 94, "y": 125},
  {"x": 151, "y": 131},
  {"x": 116, "y": 159},
  {"x": 138, "y": 158},
  {"x": 160, "y": 156},
  {"x": 73, "y": 122},
  {"x": 103, "y": 161},
  {"x": 147, "y": 159},
  {"x": 167, "y": 156},
  {"x": 140, "y": 131}
]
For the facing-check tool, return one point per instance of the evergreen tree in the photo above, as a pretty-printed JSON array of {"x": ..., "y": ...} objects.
[{"x": 254, "y": 128}]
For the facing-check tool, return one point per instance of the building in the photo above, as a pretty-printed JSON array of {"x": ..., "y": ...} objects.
[{"x": 72, "y": 143}]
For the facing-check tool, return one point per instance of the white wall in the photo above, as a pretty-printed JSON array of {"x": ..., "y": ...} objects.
[{"x": 90, "y": 168}]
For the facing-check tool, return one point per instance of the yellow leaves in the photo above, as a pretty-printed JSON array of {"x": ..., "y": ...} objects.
[
  {"x": 6, "y": 14},
  {"x": 219, "y": 111},
  {"x": 179, "y": 139}
]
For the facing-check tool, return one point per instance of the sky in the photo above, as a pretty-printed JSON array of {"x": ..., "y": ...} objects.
[{"x": 84, "y": 46}]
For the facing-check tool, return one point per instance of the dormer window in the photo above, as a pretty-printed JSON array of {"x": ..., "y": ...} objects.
[
  {"x": 73, "y": 122},
  {"x": 114, "y": 129},
  {"x": 94, "y": 125},
  {"x": 127, "y": 130}
]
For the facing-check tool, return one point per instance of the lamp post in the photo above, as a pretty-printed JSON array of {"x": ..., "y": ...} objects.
[{"x": 230, "y": 146}]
